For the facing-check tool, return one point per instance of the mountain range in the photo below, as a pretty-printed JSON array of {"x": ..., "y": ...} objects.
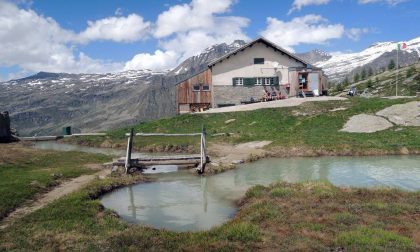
[{"x": 45, "y": 102}]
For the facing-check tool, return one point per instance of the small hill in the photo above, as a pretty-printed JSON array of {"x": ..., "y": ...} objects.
[{"x": 383, "y": 84}]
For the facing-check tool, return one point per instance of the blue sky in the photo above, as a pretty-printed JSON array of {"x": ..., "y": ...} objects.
[{"x": 106, "y": 36}]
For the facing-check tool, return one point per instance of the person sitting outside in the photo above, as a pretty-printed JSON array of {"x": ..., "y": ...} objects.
[{"x": 266, "y": 96}]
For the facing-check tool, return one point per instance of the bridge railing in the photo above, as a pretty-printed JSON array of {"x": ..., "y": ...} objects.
[{"x": 203, "y": 151}]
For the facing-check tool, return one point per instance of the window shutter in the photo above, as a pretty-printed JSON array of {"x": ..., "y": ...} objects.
[
  {"x": 248, "y": 81},
  {"x": 234, "y": 81},
  {"x": 276, "y": 80}
]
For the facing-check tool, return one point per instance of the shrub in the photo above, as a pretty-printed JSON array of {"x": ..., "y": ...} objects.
[
  {"x": 391, "y": 65},
  {"x": 356, "y": 77},
  {"x": 369, "y": 84},
  {"x": 411, "y": 71}
]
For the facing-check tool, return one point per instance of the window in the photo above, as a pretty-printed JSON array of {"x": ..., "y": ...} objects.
[
  {"x": 258, "y": 60},
  {"x": 206, "y": 88},
  {"x": 239, "y": 81},
  {"x": 196, "y": 88},
  {"x": 258, "y": 81},
  {"x": 267, "y": 81}
]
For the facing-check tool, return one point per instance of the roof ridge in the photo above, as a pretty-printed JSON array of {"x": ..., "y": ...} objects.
[{"x": 264, "y": 40}]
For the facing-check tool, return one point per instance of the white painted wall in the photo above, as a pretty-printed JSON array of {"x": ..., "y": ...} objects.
[{"x": 242, "y": 65}]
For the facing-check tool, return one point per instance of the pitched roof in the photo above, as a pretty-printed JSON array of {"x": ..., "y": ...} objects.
[{"x": 268, "y": 43}]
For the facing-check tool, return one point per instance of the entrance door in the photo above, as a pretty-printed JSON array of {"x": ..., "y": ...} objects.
[{"x": 313, "y": 81}]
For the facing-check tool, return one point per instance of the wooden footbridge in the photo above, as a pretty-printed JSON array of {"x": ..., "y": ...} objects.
[{"x": 197, "y": 160}]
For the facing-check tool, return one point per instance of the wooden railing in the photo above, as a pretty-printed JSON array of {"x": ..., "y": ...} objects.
[{"x": 169, "y": 159}]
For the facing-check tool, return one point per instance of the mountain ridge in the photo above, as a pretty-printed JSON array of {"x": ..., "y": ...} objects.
[{"x": 44, "y": 102}]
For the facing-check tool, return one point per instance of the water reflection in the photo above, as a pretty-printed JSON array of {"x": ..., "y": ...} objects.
[
  {"x": 175, "y": 205},
  {"x": 182, "y": 201}
]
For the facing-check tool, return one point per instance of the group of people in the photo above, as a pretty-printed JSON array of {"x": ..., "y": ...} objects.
[{"x": 271, "y": 96}]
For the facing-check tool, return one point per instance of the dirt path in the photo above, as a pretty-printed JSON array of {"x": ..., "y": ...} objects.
[
  {"x": 234, "y": 154},
  {"x": 56, "y": 193},
  {"x": 290, "y": 102}
]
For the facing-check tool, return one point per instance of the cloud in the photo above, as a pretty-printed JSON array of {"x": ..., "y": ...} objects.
[
  {"x": 119, "y": 29},
  {"x": 356, "y": 33},
  {"x": 309, "y": 29},
  {"x": 298, "y": 4},
  {"x": 199, "y": 14},
  {"x": 389, "y": 2},
  {"x": 32, "y": 41},
  {"x": 38, "y": 43},
  {"x": 118, "y": 12},
  {"x": 187, "y": 29},
  {"x": 159, "y": 60}
]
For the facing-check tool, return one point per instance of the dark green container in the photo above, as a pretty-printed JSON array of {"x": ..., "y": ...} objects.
[{"x": 67, "y": 131}]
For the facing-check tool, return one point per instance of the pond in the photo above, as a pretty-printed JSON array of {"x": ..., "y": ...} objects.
[{"x": 182, "y": 201}]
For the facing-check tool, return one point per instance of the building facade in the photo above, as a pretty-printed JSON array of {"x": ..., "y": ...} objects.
[{"x": 246, "y": 74}]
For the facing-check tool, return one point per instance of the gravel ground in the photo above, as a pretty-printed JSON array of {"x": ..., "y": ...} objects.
[{"x": 290, "y": 102}]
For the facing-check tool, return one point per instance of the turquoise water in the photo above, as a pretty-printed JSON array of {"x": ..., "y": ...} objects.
[{"x": 183, "y": 201}]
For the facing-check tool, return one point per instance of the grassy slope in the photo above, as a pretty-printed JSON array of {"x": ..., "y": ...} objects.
[
  {"x": 282, "y": 217},
  {"x": 383, "y": 84},
  {"x": 310, "y": 126},
  {"x": 25, "y": 172}
]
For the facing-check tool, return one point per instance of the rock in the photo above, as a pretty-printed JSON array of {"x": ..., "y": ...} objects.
[
  {"x": 114, "y": 169},
  {"x": 57, "y": 175},
  {"x": 364, "y": 123},
  {"x": 240, "y": 161},
  {"x": 230, "y": 121},
  {"x": 407, "y": 114},
  {"x": 338, "y": 109}
]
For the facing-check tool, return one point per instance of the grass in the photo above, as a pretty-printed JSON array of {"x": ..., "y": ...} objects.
[
  {"x": 318, "y": 217},
  {"x": 26, "y": 172},
  {"x": 310, "y": 129},
  {"x": 383, "y": 84}
]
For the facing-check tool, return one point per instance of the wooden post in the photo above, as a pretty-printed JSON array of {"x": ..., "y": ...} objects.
[
  {"x": 5, "y": 133},
  {"x": 129, "y": 148},
  {"x": 203, "y": 151}
]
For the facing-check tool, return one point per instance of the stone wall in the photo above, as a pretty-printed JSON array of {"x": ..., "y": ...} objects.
[{"x": 235, "y": 94}]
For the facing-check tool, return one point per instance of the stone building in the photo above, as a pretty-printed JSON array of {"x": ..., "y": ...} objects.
[{"x": 246, "y": 74}]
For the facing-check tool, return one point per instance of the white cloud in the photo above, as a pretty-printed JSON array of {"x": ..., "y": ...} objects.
[
  {"x": 182, "y": 18},
  {"x": 187, "y": 29},
  {"x": 356, "y": 33},
  {"x": 389, "y": 2},
  {"x": 37, "y": 43},
  {"x": 158, "y": 61},
  {"x": 119, "y": 29},
  {"x": 309, "y": 29},
  {"x": 118, "y": 12},
  {"x": 298, "y": 4}
]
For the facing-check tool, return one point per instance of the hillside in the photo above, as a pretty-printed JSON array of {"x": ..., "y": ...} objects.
[
  {"x": 46, "y": 102},
  {"x": 310, "y": 129},
  {"x": 383, "y": 84}
]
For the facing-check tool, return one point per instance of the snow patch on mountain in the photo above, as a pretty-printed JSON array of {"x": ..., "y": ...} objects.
[{"x": 340, "y": 65}]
